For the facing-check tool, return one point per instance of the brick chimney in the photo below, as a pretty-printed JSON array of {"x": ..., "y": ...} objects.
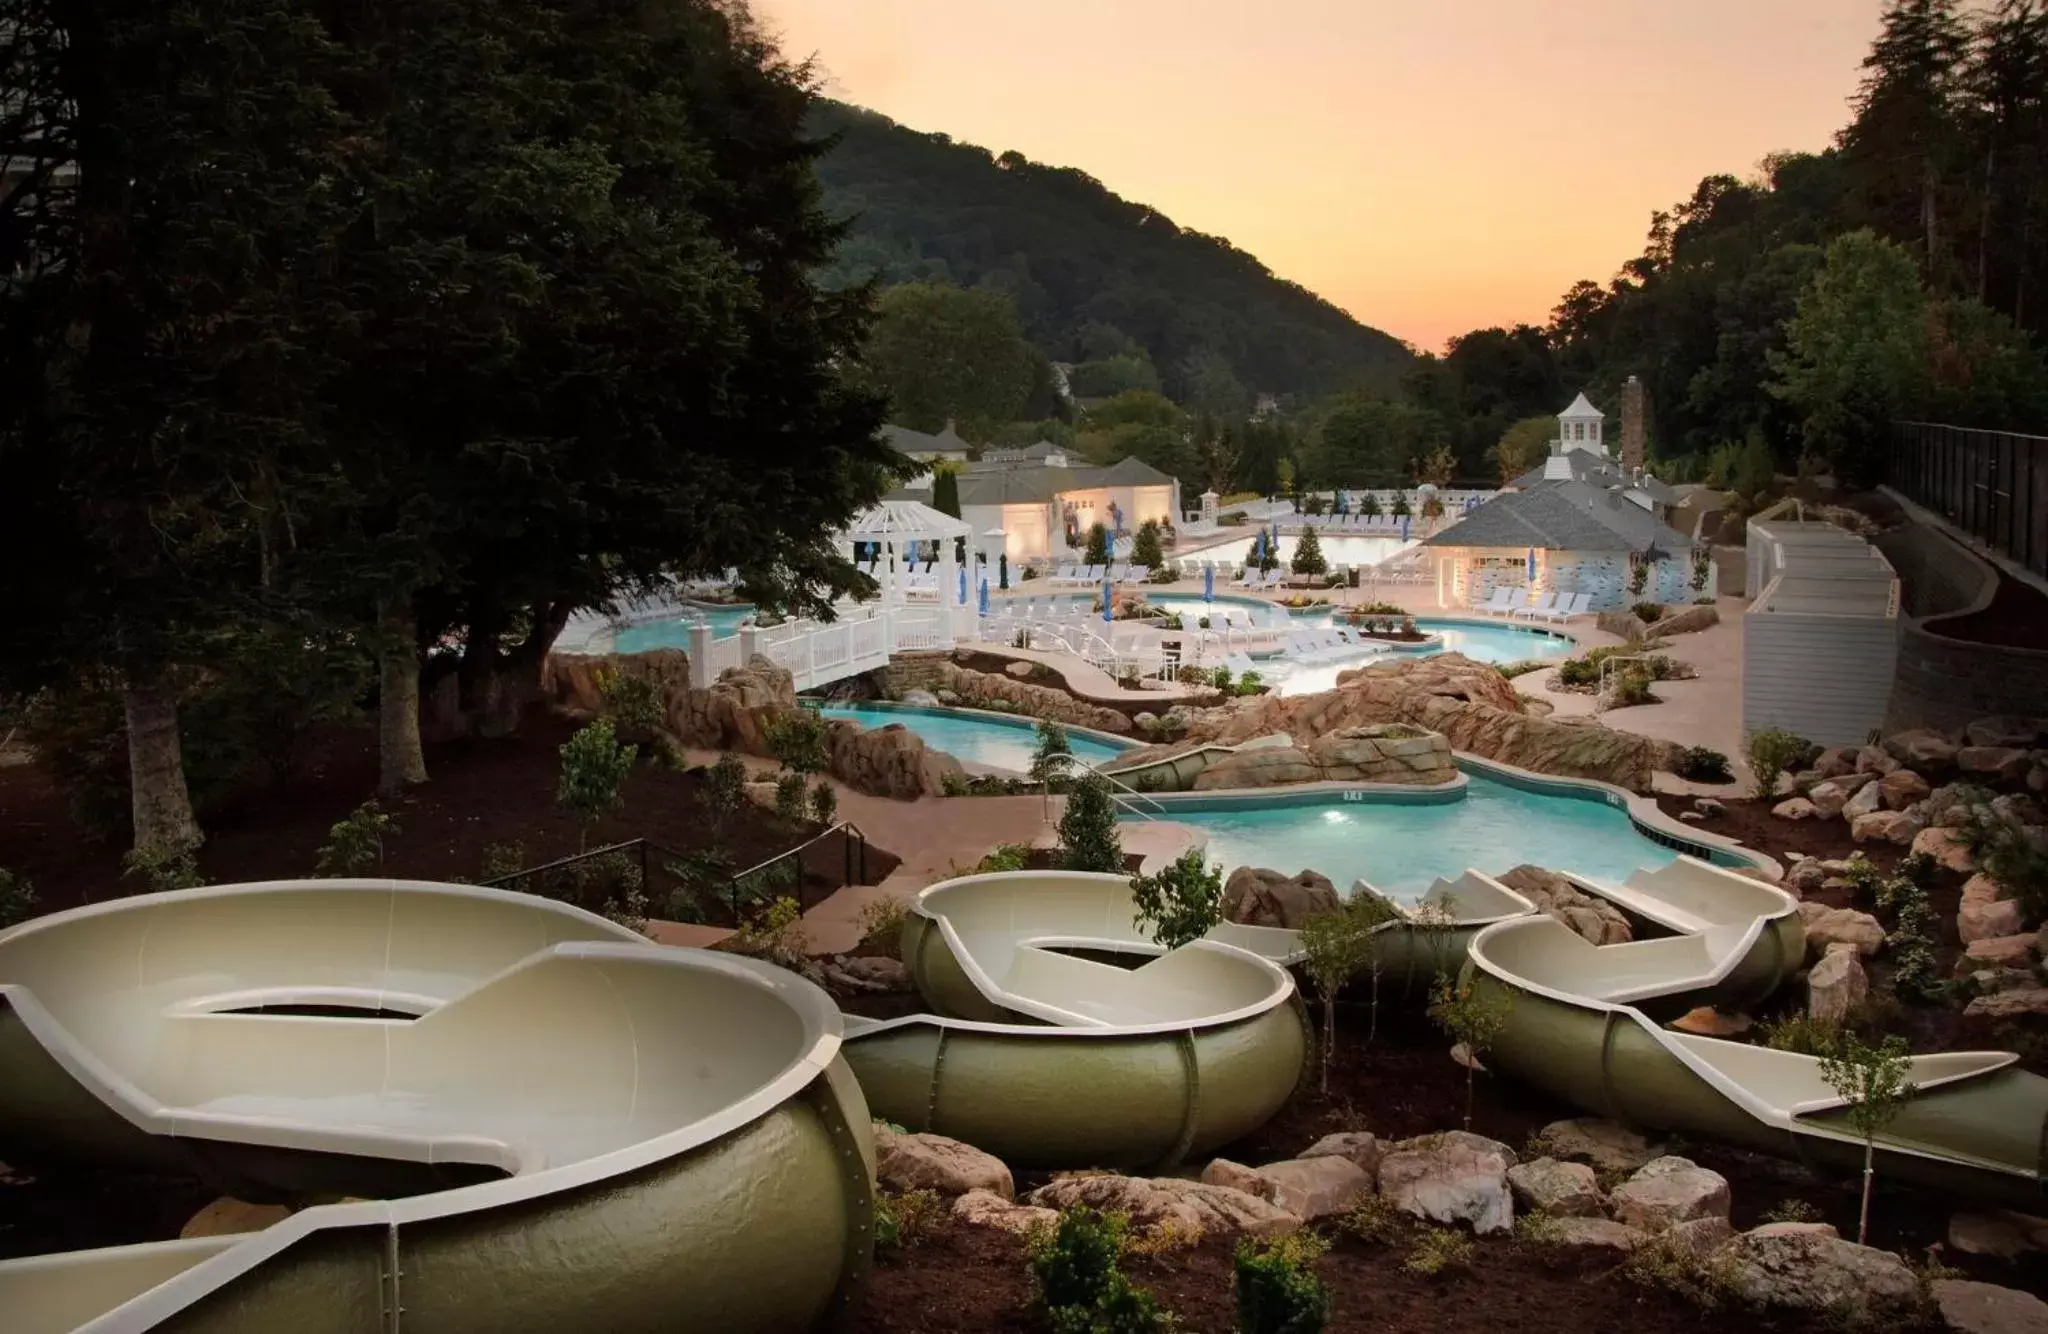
[{"x": 1632, "y": 424}]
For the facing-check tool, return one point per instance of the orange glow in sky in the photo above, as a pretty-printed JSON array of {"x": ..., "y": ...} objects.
[{"x": 1431, "y": 166}]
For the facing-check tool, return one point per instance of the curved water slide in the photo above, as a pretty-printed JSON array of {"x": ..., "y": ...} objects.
[
  {"x": 1063, "y": 1037},
  {"x": 1582, "y": 1023},
  {"x": 501, "y": 1113}
]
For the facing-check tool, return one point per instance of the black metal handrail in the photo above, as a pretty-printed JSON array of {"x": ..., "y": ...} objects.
[
  {"x": 631, "y": 845},
  {"x": 1991, "y": 484},
  {"x": 854, "y": 866}
]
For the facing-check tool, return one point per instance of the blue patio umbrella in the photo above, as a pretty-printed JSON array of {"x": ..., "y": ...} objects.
[
  {"x": 1532, "y": 565},
  {"x": 1209, "y": 581},
  {"x": 1259, "y": 547},
  {"x": 1404, "y": 528},
  {"x": 984, "y": 596},
  {"x": 963, "y": 585},
  {"x": 1108, "y": 602}
]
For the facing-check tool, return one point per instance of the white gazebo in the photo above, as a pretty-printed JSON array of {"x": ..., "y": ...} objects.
[{"x": 894, "y": 525}]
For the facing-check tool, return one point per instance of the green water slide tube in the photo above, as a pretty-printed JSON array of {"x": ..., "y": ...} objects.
[
  {"x": 1062, "y": 1037},
  {"x": 531, "y": 1117},
  {"x": 1576, "y": 1026}
]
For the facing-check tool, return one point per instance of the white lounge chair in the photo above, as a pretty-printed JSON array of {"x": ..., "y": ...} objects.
[
  {"x": 1537, "y": 605},
  {"x": 1499, "y": 602},
  {"x": 1568, "y": 606}
]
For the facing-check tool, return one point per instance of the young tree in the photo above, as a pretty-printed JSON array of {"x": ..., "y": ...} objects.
[
  {"x": 1180, "y": 902},
  {"x": 1146, "y": 548},
  {"x": 1053, "y": 761},
  {"x": 1097, "y": 552},
  {"x": 1472, "y": 1019},
  {"x": 1087, "y": 828},
  {"x": 594, "y": 769},
  {"x": 946, "y": 491},
  {"x": 1369, "y": 505},
  {"x": 1335, "y": 945},
  {"x": 1308, "y": 554},
  {"x": 1875, "y": 1082}
]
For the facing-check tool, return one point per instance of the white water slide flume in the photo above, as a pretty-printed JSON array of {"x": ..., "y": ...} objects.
[{"x": 579, "y": 1129}]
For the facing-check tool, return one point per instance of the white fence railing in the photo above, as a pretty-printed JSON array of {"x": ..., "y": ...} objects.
[{"x": 817, "y": 653}]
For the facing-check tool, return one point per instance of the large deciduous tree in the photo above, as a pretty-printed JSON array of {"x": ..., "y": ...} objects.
[{"x": 941, "y": 352}]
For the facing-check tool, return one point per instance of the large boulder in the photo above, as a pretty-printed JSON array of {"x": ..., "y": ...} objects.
[
  {"x": 1901, "y": 788},
  {"x": 1255, "y": 896},
  {"x": 1866, "y": 800},
  {"x": 1547, "y": 1186},
  {"x": 1827, "y": 926},
  {"x": 1895, "y": 827},
  {"x": 2003, "y": 764},
  {"x": 1594, "y": 918},
  {"x": 1795, "y": 808},
  {"x": 1383, "y": 753},
  {"x": 1968, "y": 1307},
  {"x": 1776, "y": 1265},
  {"x": 2006, "y": 1234},
  {"x": 1828, "y": 798},
  {"x": 1837, "y": 984},
  {"x": 1361, "y": 1147},
  {"x": 1947, "y": 848},
  {"x": 1987, "y": 919},
  {"x": 1151, "y": 1201},
  {"x": 2004, "y": 952},
  {"x": 1309, "y": 1188},
  {"x": 933, "y": 1162},
  {"x": 1578, "y": 1231},
  {"x": 1000, "y": 689},
  {"x": 1610, "y": 1147},
  {"x": 1923, "y": 749},
  {"x": 890, "y": 761},
  {"x": 2010, "y": 1004},
  {"x": 1668, "y": 1191},
  {"x": 1875, "y": 760},
  {"x": 2020, "y": 733},
  {"x": 1268, "y": 766},
  {"x": 228, "y": 1216},
  {"x": 987, "y": 1209},
  {"x": 1688, "y": 620},
  {"x": 1453, "y": 1177},
  {"x": 1469, "y": 703}
]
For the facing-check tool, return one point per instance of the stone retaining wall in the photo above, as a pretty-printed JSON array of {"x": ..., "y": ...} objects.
[
  {"x": 1941, "y": 682},
  {"x": 923, "y": 670}
]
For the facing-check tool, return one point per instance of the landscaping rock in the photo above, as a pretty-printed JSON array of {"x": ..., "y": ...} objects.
[
  {"x": 1837, "y": 984},
  {"x": 986, "y": 689},
  {"x": 1145, "y": 722},
  {"x": 1836, "y": 761},
  {"x": 890, "y": 761},
  {"x": 1978, "y": 920},
  {"x": 1945, "y": 846},
  {"x": 1548, "y": 1186},
  {"x": 1361, "y": 1147},
  {"x": 228, "y": 1216},
  {"x": 1313, "y": 1188},
  {"x": 2022, "y": 733},
  {"x": 1236, "y": 1176},
  {"x": 1928, "y": 751},
  {"x": 1150, "y": 1201},
  {"x": 2018, "y": 808},
  {"x": 1811, "y": 1271},
  {"x": 1709, "y": 806},
  {"x": 1804, "y": 876},
  {"x": 1596, "y": 1232},
  {"x": 905, "y": 1161},
  {"x": 1985, "y": 1308},
  {"x": 1689, "y": 620},
  {"x": 1901, "y": 788},
  {"x": 1827, "y": 926},
  {"x": 987, "y": 1209},
  {"x": 1610, "y": 1147},
  {"x": 1699, "y": 1237},
  {"x": 1708, "y": 1022},
  {"x": 1875, "y": 760},
  {"x": 1454, "y": 1177},
  {"x": 2010, "y": 1004},
  {"x": 1794, "y": 808},
  {"x": 1895, "y": 827},
  {"x": 869, "y": 973},
  {"x": 1374, "y": 753},
  {"x": 921, "y": 698},
  {"x": 1827, "y": 798},
  {"x": 1866, "y": 800},
  {"x": 1255, "y": 896},
  {"x": 1020, "y": 670},
  {"x": 2006, "y": 764},
  {"x": 2004, "y": 1233},
  {"x": 1668, "y": 1191},
  {"x": 1596, "y": 919}
]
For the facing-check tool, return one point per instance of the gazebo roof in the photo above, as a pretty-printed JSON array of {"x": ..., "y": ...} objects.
[{"x": 908, "y": 520}]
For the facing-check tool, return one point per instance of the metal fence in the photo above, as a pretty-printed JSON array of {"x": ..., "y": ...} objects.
[{"x": 1991, "y": 484}]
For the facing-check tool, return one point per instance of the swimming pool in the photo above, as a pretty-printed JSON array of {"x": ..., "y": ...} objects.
[
  {"x": 674, "y": 631},
  {"x": 1338, "y": 549},
  {"x": 996, "y": 743},
  {"x": 1401, "y": 846}
]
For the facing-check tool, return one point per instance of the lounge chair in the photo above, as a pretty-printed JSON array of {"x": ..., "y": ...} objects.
[
  {"x": 1568, "y": 606},
  {"x": 1537, "y": 605},
  {"x": 1497, "y": 603},
  {"x": 1248, "y": 579}
]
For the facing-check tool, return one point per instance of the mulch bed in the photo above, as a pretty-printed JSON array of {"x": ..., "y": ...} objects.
[{"x": 483, "y": 792}]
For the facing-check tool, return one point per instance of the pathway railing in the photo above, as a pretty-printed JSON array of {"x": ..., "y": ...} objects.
[{"x": 1991, "y": 484}]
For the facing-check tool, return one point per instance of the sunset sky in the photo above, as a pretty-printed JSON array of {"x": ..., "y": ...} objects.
[{"x": 1430, "y": 165}]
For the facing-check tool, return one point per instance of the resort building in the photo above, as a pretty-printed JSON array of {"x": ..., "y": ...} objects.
[
  {"x": 946, "y": 446},
  {"x": 1581, "y": 523},
  {"x": 1044, "y": 501}
]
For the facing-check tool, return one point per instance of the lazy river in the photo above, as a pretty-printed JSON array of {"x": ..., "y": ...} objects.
[{"x": 978, "y": 739}]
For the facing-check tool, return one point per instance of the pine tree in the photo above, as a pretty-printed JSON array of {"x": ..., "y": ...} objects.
[
  {"x": 1088, "y": 838},
  {"x": 1098, "y": 546},
  {"x": 1146, "y": 548},
  {"x": 946, "y": 492},
  {"x": 1308, "y": 554},
  {"x": 1906, "y": 138}
]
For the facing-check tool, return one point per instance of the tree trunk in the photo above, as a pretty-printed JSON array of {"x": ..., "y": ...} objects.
[
  {"x": 401, "y": 763},
  {"x": 160, "y": 805},
  {"x": 1329, "y": 1039},
  {"x": 1869, "y": 1177}
]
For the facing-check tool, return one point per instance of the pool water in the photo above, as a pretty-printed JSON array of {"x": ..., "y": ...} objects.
[
  {"x": 995, "y": 743},
  {"x": 1402, "y": 848},
  {"x": 1338, "y": 549},
  {"x": 675, "y": 631}
]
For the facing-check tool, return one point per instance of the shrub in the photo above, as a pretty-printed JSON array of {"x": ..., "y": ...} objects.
[
  {"x": 1220, "y": 678},
  {"x": 1308, "y": 554},
  {"x": 1098, "y": 552},
  {"x": 1511, "y": 670},
  {"x": 2005, "y": 853},
  {"x": 594, "y": 768},
  {"x": 17, "y": 898},
  {"x": 700, "y": 875},
  {"x": 1672, "y": 1266},
  {"x": 1181, "y": 902},
  {"x": 1438, "y": 1249},
  {"x": 1146, "y": 548},
  {"x": 796, "y": 740},
  {"x": 1802, "y": 1033},
  {"x": 1168, "y": 1237},
  {"x": 1649, "y": 613},
  {"x": 1053, "y": 761},
  {"x": 1401, "y": 507},
  {"x": 1250, "y": 683},
  {"x": 1087, "y": 829},
  {"x": 1631, "y": 688},
  {"x": 1375, "y": 1219},
  {"x": 608, "y": 884},
  {"x": 725, "y": 791},
  {"x": 633, "y": 702},
  {"x": 1704, "y": 764},
  {"x": 1772, "y": 751},
  {"x": 354, "y": 845},
  {"x": 881, "y": 925},
  {"x": 773, "y": 933},
  {"x": 1792, "y": 1211},
  {"x": 1075, "y": 1265},
  {"x": 791, "y": 803},
  {"x": 904, "y": 1219},
  {"x": 824, "y": 802},
  {"x": 1277, "y": 1288},
  {"x": 1004, "y": 857},
  {"x": 502, "y": 860},
  {"x": 164, "y": 866}
]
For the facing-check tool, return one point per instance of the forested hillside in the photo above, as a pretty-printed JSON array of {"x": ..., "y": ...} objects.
[{"x": 1095, "y": 278}]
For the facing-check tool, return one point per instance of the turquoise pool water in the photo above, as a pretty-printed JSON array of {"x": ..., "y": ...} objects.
[
  {"x": 995, "y": 742},
  {"x": 675, "y": 632},
  {"x": 1502, "y": 642},
  {"x": 1402, "y": 848}
]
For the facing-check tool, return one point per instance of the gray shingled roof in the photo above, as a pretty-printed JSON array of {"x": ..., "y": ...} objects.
[
  {"x": 1037, "y": 485},
  {"x": 1600, "y": 471},
  {"x": 1561, "y": 516},
  {"x": 918, "y": 442}
]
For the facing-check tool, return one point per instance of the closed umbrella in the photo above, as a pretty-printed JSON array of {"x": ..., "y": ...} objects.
[
  {"x": 983, "y": 599},
  {"x": 1108, "y": 602},
  {"x": 963, "y": 585},
  {"x": 1209, "y": 581},
  {"x": 1404, "y": 528},
  {"x": 1532, "y": 567}
]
